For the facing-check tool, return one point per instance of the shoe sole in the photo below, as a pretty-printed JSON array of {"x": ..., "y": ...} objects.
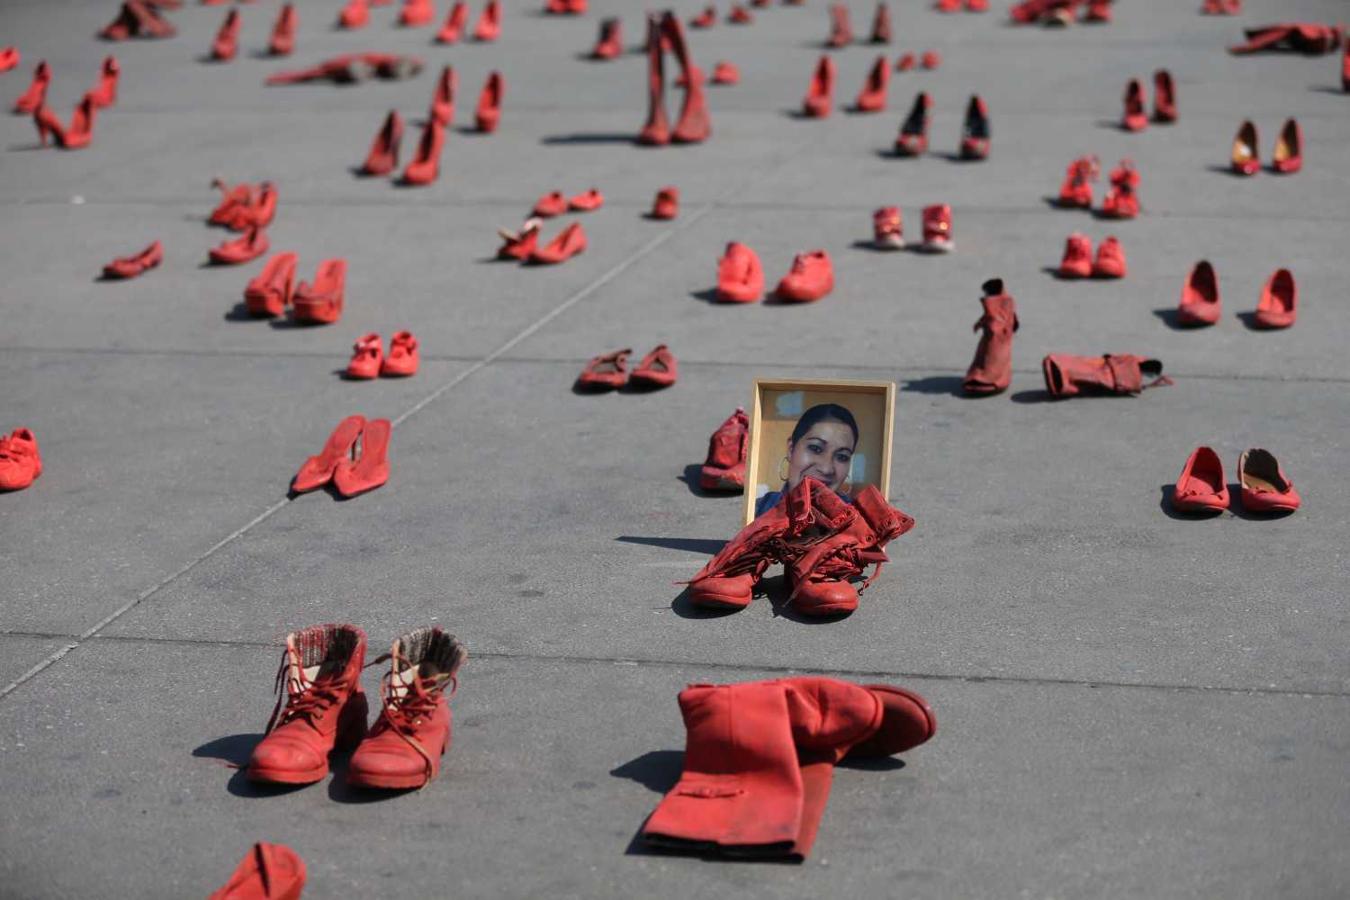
[
  {"x": 387, "y": 782},
  {"x": 266, "y": 776}
]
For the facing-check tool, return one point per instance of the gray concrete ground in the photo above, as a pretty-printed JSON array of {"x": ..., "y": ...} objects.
[{"x": 1130, "y": 704}]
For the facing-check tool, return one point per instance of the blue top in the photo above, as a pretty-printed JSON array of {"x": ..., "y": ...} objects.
[{"x": 772, "y": 499}]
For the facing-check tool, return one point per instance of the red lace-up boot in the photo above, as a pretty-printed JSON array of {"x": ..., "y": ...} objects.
[
  {"x": 32, "y": 98},
  {"x": 268, "y": 872},
  {"x": 383, "y": 156},
  {"x": 694, "y": 125},
  {"x": 104, "y": 93},
  {"x": 872, "y": 97},
  {"x": 1068, "y": 376},
  {"x": 724, "y": 468},
  {"x": 656, "y": 131},
  {"x": 820, "y": 94},
  {"x": 727, "y": 581},
  {"x": 20, "y": 461},
  {"x": 991, "y": 370}
]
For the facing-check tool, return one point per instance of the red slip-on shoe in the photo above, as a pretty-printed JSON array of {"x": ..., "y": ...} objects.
[
  {"x": 937, "y": 229},
  {"x": 1288, "y": 157},
  {"x": 1123, "y": 201},
  {"x": 416, "y": 13},
  {"x": 354, "y": 15},
  {"x": 251, "y": 245},
  {"x": 667, "y": 203},
  {"x": 1098, "y": 12},
  {"x": 820, "y": 93},
  {"x": 609, "y": 43},
  {"x": 841, "y": 31},
  {"x": 489, "y": 26},
  {"x": 724, "y": 467},
  {"x": 905, "y": 62},
  {"x": 975, "y": 130},
  {"x": 694, "y": 124},
  {"x": 658, "y": 369},
  {"x": 930, "y": 59},
  {"x": 605, "y": 372},
  {"x": 1077, "y": 261},
  {"x": 370, "y": 469},
  {"x": 1164, "y": 97},
  {"x": 267, "y": 872},
  {"x": 1110, "y": 262},
  {"x": 519, "y": 244},
  {"x": 318, "y": 470},
  {"x": 104, "y": 93},
  {"x": 586, "y": 201},
  {"x": 489, "y": 112},
  {"x": 322, "y": 302},
  {"x": 1135, "y": 118},
  {"x": 1246, "y": 158},
  {"x": 569, "y": 242},
  {"x": 20, "y": 461},
  {"x": 1200, "y": 302},
  {"x": 131, "y": 266},
  {"x": 872, "y": 97},
  {"x": 881, "y": 24},
  {"x": 739, "y": 15},
  {"x": 726, "y": 73},
  {"x": 656, "y": 131},
  {"x": 810, "y": 278},
  {"x": 551, "y": 204},
  {"x": 990, "y": 371},
  {"x": 1201, "y": 487},
  {"x": 1279, "y": 302},
  {"x": 403, "y": 358},
  {"x": 1076, "y": 191},
  {"x": 1265, "y": 487},
  {"x": 226, "y": 45},
  {"x": 282, "y": 41},
  {"x": 268, "y": 294},
  {"x": 740, "y": 277},
  {"x": 913, "y": 138},
  {"x": 383, "y": 156},
  {"x": 453, "y": 28},
  {"x": 887, "y": 229},
  {"x": 9, "y": 58},
  {"x": 426, "y": 163},
  {"x": 404, "y": 747},
  {"x": 705, "y": 19},
  {"x": 32, "y": 98},
  {"x": 1113, "y": 373},
  {"x": 367, "y": 355}
]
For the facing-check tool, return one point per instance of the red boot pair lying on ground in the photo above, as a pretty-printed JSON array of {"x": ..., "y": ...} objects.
[
  {"x": 1078, "y": 262},
  {"x": 339, "y": 463},
  {"x": 740, "y": 277},
  {"x": 658, "y": 369},
  {"x": 352, "y": 67},
  {"x": 1061, "y": 12},
  {"x": 759, "y": 759},
  {"x": 888, "y": 230},
  {"x": 20, "y": 461},
  {"x": 369, "y": 359},
  {"x": 1307, "y": 38},
  {"x": 1121, "y": 202},
  {"x": 913, "y": 137},
  {"x": 316, "y": 303},
  {"x": 1201, "y": 305},
  {"x": 1164, "y": 102},
  {"x": 1288, "y": 158},
  {"x": 694, "y": 125},
  {"x": 523, "y": 245},
  {"x": 1264, "y": 486}
]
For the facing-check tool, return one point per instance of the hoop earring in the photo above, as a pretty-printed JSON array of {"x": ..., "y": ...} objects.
[{"x": 783, "y": 476}]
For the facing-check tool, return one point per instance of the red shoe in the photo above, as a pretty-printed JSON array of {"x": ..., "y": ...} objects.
[
  {"x": 519, "y": 245},
  {"x": 705, "y": 19},
  {"x": 318, "y": 470},
  {"x": 263, "y": 208},
  {"x": 694, "y": 125},
  {"x": 1098, "y": 12},
  {"x": 1164, "y": 97},
  {"x": 975, "y": 131},
  {"x": 977, "y": 6},
  {"x": 726, "y": 73},
  {"x": 656, "y": 131},
  {"x": 1135, "y": 118},
  {"x": 1076, "y": 191},
  {"x": 913, "y": 138},
  {"x": 569, "y": 242},
  {"x": 1288, "y": 157},
  {"x": 550, "y": 205},
  {"x": 565, "y": 7},
  {"x": 728, "y": 580},
  {"x": 1077, "y": 262},
  {"x": 383, "y": 156},
  {"x": 490, "y": 103},
  {"x": 1200, "y": 302},
  {"x": 1246, "y": 156},
  {"x": 881, "y": 24},
  {"x": 1201, "y": 486},
  {"x": 937, "y": 229},
  {"x": 489, "y": 26},
  {"x": 9, "y": 58},
  {"x": 724, "y": 468},
  {"x": 137, "y": 19},
  {"x": 77, "y": 136},
  {"x": 991, "y": 370},
  {"x": 131, "y": 266},
  {"x": 811, "y": 277},
  {"x": 872, "y": 97},
  {"x": 454, "y": 23},
  {"x": 1279, "y": 302},
  {"x": 1113, "y": 373},
  {"x": 1265, "y": 488},
  {"x": 322, "y": 302},
  {"x": 740, "y": 277},
  {"x": 841, "y": 32},
  {"x": 947, "y": 6},
  {"x": 268, "y": 872},
  {"x": 354, "y": 15},
  {"x": 232, "y": 211},
  {"x": 403, "y": 358},
  {"x": 250, "y": 246},
  {"x": 367, "y": 356},
  {"x": 905, "y": 62},
  {"x": 887, "y": 230},
  {"x": 416, "y": 13},
  {"x": 1345, "y": 69},
  {"x": 104, "y": 93},
  {"x": 269, "y": 293},
  {"x": 426, "y": 164},
  {"x": 369, "y": 470},
  {"x": 404, "y": 747},
  {"x": 739, "y": 15},
  {"x": 586, "y": 202},
  {"x": 930, "y": 59},
  {"x": 1110, "y": 261},
  {"x": 226, "y": 44},
  {"x": 325, "y": 708},
  {"x": 667, "y": 203},
  {"x": 1221, "y": 7},
  {"x": 282, "y": 42},
  {"x": 605, "y": 372},
  {"x": 1123, "y": 201},
  {"x": 20, "y": 461},
  {"x": 32, "y": 99},
  {"x": 819, "y": 96},
  {"x": 658, "y": 369},
  {"x": 609, "y": 45}
]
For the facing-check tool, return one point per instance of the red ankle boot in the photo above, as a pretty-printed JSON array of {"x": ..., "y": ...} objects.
[
  {"x": 104, "y": 93},
  {"x": 32, "y": 98},
  {"x": 1068, "y": 376},
  {"x": 937, "y": 229},
  {"x": 975, "y": 131},
  {"x": 426, "y": 164},
  {"x": 322, "y": 302},
  {"x": 1123, "y": 200},
  {"x": 609, "y": 45},
  {"x": 268, "y": 872},
  {"x": 727, "y": 581},
  {"x": 913, "y": 138},
  {"x": 1135, "y": 118},
  {"x": 131, "y": 266},
  {"x": 724, "y": 467},
  {"x": 383, "y": 156},
  {"x": 872, "y": 97},
  {"x": 226, "y": 44},
  {"x": 1164, "y": 97},
  {"x": 881, "y": 24},
  {"x": 1279, "y": 301},
  {"x": 489, "y": 26},
  {"x": 991, "y": 370},
  {"x": 821, "y": 91},
  {"x": 1077, "y": 261},
  {"x": 811, "y": 277},
  {"x": 268, "y": 294},
  {"x": 1110, "y": 261},
  {"x": 325, "y": 708},
  {"x": 20, "y": 461},
  {"x": 694, "y": 125},
  {"x": 443, "y": 103},
  {"x": 888, "y": 229},
  {"x": 841, "y": 32},
  {"x": 490, "y": 103},
  {"x": 1288, "y": 157},
  {"x": 454, "y": 23},
  {"x": 282, "y": 42},
  {"x": 1076, "y": 191},
  {"x": 416, "y": 13},
  {"x": 1200, "y": 302},
  {"x": 740, "y": 277}
]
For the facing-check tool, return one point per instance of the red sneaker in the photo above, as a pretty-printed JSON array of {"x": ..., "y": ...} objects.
[
  {"x": 739, "y": 15},
  {"x": 1123, "y": 201},
  {"x": 9, "y": 58},
  {"x": 443, "y": 101},
  {"x": 282, "y": 42},
  {"x": 605, "y": 372},
  {"x": 740, "y": 277},
  {"x": 609, "y": 45},
  {"x": 1246, "y": 156},
  {"x": 975, "y": 131},
  {"x": 569, "y": 242},
  {"x": 841, "y": 32},
  {"x": 369, "y": 470},
  {"x": 1279, "y": 302},
  {"x": 354, "y": 15},
  {"x": 453, "y": 28},
  {"x": 490, "y": 103},
  {"x": 991, "y": 370},
  {"x": 726, "y": 73},
  {"x": 1201, "y": 486},
  {"x": 930, "y": 59},
  {"x": 724, "y": 468},
  {"x": 887, "y": 230},
  {"x": 519, "y": 244},
  {"x": 1135, "y": 118},
  {"x": 658, "y": 369},
  {"x": 881, "y": 24},
  {"x": 811, "y": 277},
  {"x": 667, "y": 203},
  {"x": 489, "y": 26},
  {"x": 1164, "y": 97},
  {"x": 550, "y": 205},
  {"x": 383, "y": 156},
  {"x": 318, "y": 470},
  {"x": 403, "y": 358},
  {"x": 325, "y": 708},
  {"x": 426, "y": 164},
  {"x": 937, "y": 229},
  {"x": 905, "y": 62},
  {"x": 269, "y": 293},
  {"x": 705, "y": 19},
  {"x": 104, "y": 93},
  {"x": 20, "y": 461},
  {"x": 322, "y": 302},
  {"x": 587, "y": 201},
  {"x": 1076, "y": 191},
  {"x": 913, "y": 138},
  {"x": 131, "y": 266},
  {"x": 32, "y": 98},
  {"x": 872, "y": 97},
  {"x": 416, "y": 13},
  {"x": 367, "y": 356},
  {"x": 1200, "y": 303},
  {"x": 656, "y": 131},
  {"x": 226, "y": 44},
  {"x": 268, "y": 872},
  {"x": 1265, "y": 488},
  {"x": 1110, "y": 261},
  {"x": 1077, "y": 262},
  {"x": 250, "y": 246},
  {"x": 1288, "y": 157},
  {"x": 404, "y": 747},
  {"x": 819, "y": 95}
]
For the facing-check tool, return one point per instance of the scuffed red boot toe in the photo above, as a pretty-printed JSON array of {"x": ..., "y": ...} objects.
[
  {"x": 729, "y": 592},
  {"x": 906, "y": 722},
  {"x": 825, "y": 598}
]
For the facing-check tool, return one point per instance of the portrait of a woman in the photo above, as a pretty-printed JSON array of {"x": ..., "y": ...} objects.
[{"x": 821, "y": 446}]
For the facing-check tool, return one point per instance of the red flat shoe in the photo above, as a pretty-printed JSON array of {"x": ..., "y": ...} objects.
[
  {"x": 489, "y": 26},
  {"x": 705, "y": 19},
  {"x": 1279, "y": 302},
  {"x": 667, "y": 203},
  {"x": 819, "y": 95},
  {"x": 913, "y": 138},
  {"x": 490, "y": 103},
  {"x": 403, "y": 358},
  {"x": 1246, "y": 156},
  {"x": 658, "y": 369},
  {"x": 268, "y": 872},
  {"x": 550, "y": 205},
  {"x": 282, "y": 41},
  {"x": 1288, "y": 157},
  {"x": 739, "y": 15},
  {"x": 1265, "y": 488},
  {"x": 383, "y": 156},
  {"x": 226, "y": 44},
  {"x": 1164, "y": 97},
  {"x": 586, "y": 202},
  {"x": 990, "y": 371},
  {"x": 930, "y": 59},
  {"x": 1135, "y": 118},
  {"x": 367, "y": 356},
  {"x": 724, "y": 467},
  {"x": 519, "y": 244},
  {"x": 9, "y": 58},
  {"x": 268, "y": 294},
  {"x": 32, "y": 98},
  {"x": 937, "y": 229},
  {"x": 104, "y": 93},
  {"x": 1123, "y": 201},
  {"x": 426, "y": 164},
  {"x": 370, "y": 469},
  {"x": 251, "y": 245},
  {"x": 881, "y": 24},
  {"x": 1110, "y": 262},
  {"x": 740, "y": 277},
  {"x": 726, "y": 73},
  {"x": 975, "y": 131},
  {"x": 20, "y": 461},
  {"x": 872, "y": 97},
  {"x": 694, "y": 125},
  {"x": 887, "y": 229},
  {"x": 1200, "y": 301},
  {"x": 811, "y": 277},
  {"x": 1077, "y": 262},
  {"x": 354, "y": 15},
  {"x": 569, "y": 242},
  {"x": 453, "y": 28},
  {"x": 656, "y": 131},
  {"x": 131, "y": 266},
  {"x": 322, "y": 302},
  {"x": 416, "y": 13},
  {"x": 1076, "y": 191},
  {"x": 443, "y": 101},
  {"x": 318, "y": 470},
  {"x": 905, "y": 62},
  {"x": 609, "y": 44},
  {"x": 605, "y": 372},
  {"x": 1201, "y": 487}
]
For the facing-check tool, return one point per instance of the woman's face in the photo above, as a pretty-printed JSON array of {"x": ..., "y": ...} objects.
[{"x": 824, "y": 453}]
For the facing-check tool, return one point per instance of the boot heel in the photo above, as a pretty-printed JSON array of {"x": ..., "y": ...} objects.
[{"x": 352, "y": 725}]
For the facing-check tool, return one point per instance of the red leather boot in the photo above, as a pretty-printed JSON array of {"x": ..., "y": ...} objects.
[
  {"x": 104, "y": 93},
  {"x": 282, "y": 42},
  {"x": 489, "y": 26},
  {"x": 727, "y": 581},
  {"x": 32, "y": 98},
  {"x": 841, "y": 31},
  {"x": 881, "y": 24},
  {"x": 872, "y": 97},
  {"x": 322, "y": 302},
  {"x": 267, "y": 295},
  {"x": 609, "y": 44},
  {"x": 267, "y": 872},
  {"x": 226, "y": 45},
  {"x": 991, "y": 370},
  {"x": 724, "y": 467},
  {"x": 383, "y": 156},
  {"x": 740, "y": 277},
  {"x": 325, "y": 708},
  {"x": 20, "y": 461},
  {"x": 913, "y": 138},
  {"x": 819, "y": 96},
  {"x": 490, "y": 103},
  {"x": 1200, "y": 301},
  {"x": 656, "y": 131},
  {"x": 426, "y": 164},
  {"x": 694, "y": 125},
  {"x": 454, "y": 24},
  {"x": 443, "y": 103},
  {"x": 1068, "y": 376}
]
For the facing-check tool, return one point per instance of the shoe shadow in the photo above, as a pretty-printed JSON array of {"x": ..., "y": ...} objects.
[
  {"x": 685, "y": 608},
  {"x": 960, "y": 158},
  {"x": 239, "y": 313},
  {"x": 1225, "y": 170},
  {"x": 690, "y": 476},
  {"x": 656, "y": 770},
  {"x": 1053, "y": 272},
  {"x": 892, "y": 153},
  {"x": 873, "y": 247},
  {"x": 286, "y": 323},
  {"x": 707, "y": 295},
  {"x": 1104, "y": 216},
  {"x": 341, "y": 792},
  {"x": 600, "y": 137},
  {"x": 1054, "y": 203},
  {"x": 776, "y": 592},
  {"x": 641, "y": 387},
  {"x": 591, "y": 390},
  {"x": 872, "y": 763},
  {"x": 1249, "y": 319},
  {"x": 1112, "y": 125},
  {"x": 1165, "y": 504},
  {"x": 937, "y": 384},
  {"x": 1328, "y": 89},
  {"x": 360, "y": 172},
  {"x": 233, "y": 751},
  {"x": 1172, "y": 319},
  {"x": 1040, "y": 396}
]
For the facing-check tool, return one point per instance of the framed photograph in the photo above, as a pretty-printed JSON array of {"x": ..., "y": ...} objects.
[{"x": 838, "y": 432}]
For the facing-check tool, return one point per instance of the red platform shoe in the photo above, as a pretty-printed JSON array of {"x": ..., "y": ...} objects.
[
  {"x": 367, "y": 355},
  {"x": 226, "y": 45},
  {"x": 694, "y": 125},
  {"x": 740, "y": 277},
  {"x": 383, "y": 156},
  {"x": 322, "y": 302},
  {"x": 1068, "y": 376},
  {"x": 975, "y": 131},
  {"x": 1123, "y": 200},
  {"x": 549, "y": 205},
  {"x": 33, "y": 98},
  {"x": 1110, "y": 262},
  {"x": 403, "y": 359},
  {"x": 404, "y": 747},
  {"x": 1288, "y": 157},
  {"x": 1135, "y": 118},
  {"x": 991, "y": 370},
  {"x": 569, "y": 242},
  {"x": 453, "y": 28},
  {"x": 913, "y": 138},
  {"x": 1200, "y": 302},
  {"x": 77, "y": 136},
  {"x": 1265, "y": 487},
  {"x": 131, "y": 266},
  {"x": 724, "y": 467},
  {"x": 587, "y": 201},
  {"x": 705, "y": 19},
  {"x": 881, "y": 24},
  {"x": 489, "y": 26},
  {"x": 104, "y": 93},
  {"x": 426, "y": 163},
  {"x": 325, "y": 708},
  {"x": 841, "y": 32},
  {"x": 519, "y": 244},
  {"x": 489, "y": 112},
  {"x": 20, "y": 461},
  {"x": 609, "y": 44},
  {"x": 819, "y": 96},
  {"x": 1164, "y": 97},
  {"x": 282, "y": 42},
  {"x": 416, "y": 13},
  {"x": 811, "y": 277},
  {"x": 251, "y": 245},
  {"x": 370, "y": 469},
  {"x": 354, "y": 15},
  {"x": 656, "y": 131},
  {"x": 605, "y": 372},
  {"x": 725, "y": 73},
  {"x": 658, "y": 369},
  {"x": 937, "y": 229},
  {"x": 739, "y": 15},
  {"x": 887, "y": 229},
  {"x": 872, "y": 97},
  {"x": 1279, "y": 302},
  {"x": 1076, "y": 191},
  {"x": 667, "y": 203},
  {"x": 318, "y": 470},
  {"x": 1246, "y": 157},
  {"x": 1077, "y": 261},
  {"x": 268, "y": 294},
  {"x": 1201, "y": 486},
  {"x": 268, "y": 872}
]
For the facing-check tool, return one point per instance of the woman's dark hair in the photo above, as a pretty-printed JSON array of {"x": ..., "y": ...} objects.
[{"x": 824, "y": 412}]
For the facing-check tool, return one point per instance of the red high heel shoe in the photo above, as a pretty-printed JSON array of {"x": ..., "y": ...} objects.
[
  {"x": 1164, "y": 97},
  {"x": 913, "y": 138},
  {"x": 416, "y": 13},
  {"x": 226, "y": 44},
  {"x": 872, "y": 97},
  {"x": 705, "y": 19},
  {"x": 881, "y": 24},
  {"x": 131, "y": 266},
  {"x": 1077, "y": 261},
  {"x": 549, "y": 205},
  {"x": 267, "y": 872},
  {"x": 454, "y": 24},
  {"x": 489, "y": 26},
  {"x": 519, "y": 244},
  {"x": 268, "y": 294},
  {"x": 1076, "y": 191},
  {"x": 740, "y": 277},
  {"x": 383, "y": 156},
  {"x": 1246, "y": 156},
  {"x": 1110, "y": 262},
  {"x": 443, "y": 102},
  {"x": 841, "y": 32},
  {"x": 318, "y": 470},
  {"x": 1279, "y": 302},
  {"x": 282, "y": 41},
  {"x": 490, "y": 103},
  {"x": 811, "y": 277},
  {"x": 137, "y": 19},
  {"x": 104, "y": 93},
  {"x": 322, "y": 302},
  {"x": 369, "y": 470},
  {"x": 888, "y": 229},
  {"x": 367, "y": 355},
  {"x": 991, "y": 370},
  {"x": 1200, "y": 301},
  {"x": 569, "y": 242},
  {"x": 10, "y": 57},
  {"x": 75, "y": 137},
  {"x": 1201, "y": 487},
  {"x": 819, "y": 96},
  {"x": 588, "y": 201},
  {"x": 1123, "y": 200},
  {"x": 975, "y": 131},
  {"x": 426, "y": 164},
  {"x": 1288, "y": 157},
  {"x": 609, "y": 44},
  {"x": 694, "y": 125},
  {"x": 1135, "y": 118},
  {"x": 656, "y": 131},
  {"x": 251, "y": 245},
  {"x": 403, "y": 358},
  {"x": 937, "y": 229},
  {"x": 658, "y": 369},
  {"x": 605, "y": 372},
  {"x": 1265, "y": 487},
  {"x": 31, "y": 99},
  {"x": 667, "y": 203},
  {"x": 354, "y": 15},
  {"x": 726, "y": 73}
]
